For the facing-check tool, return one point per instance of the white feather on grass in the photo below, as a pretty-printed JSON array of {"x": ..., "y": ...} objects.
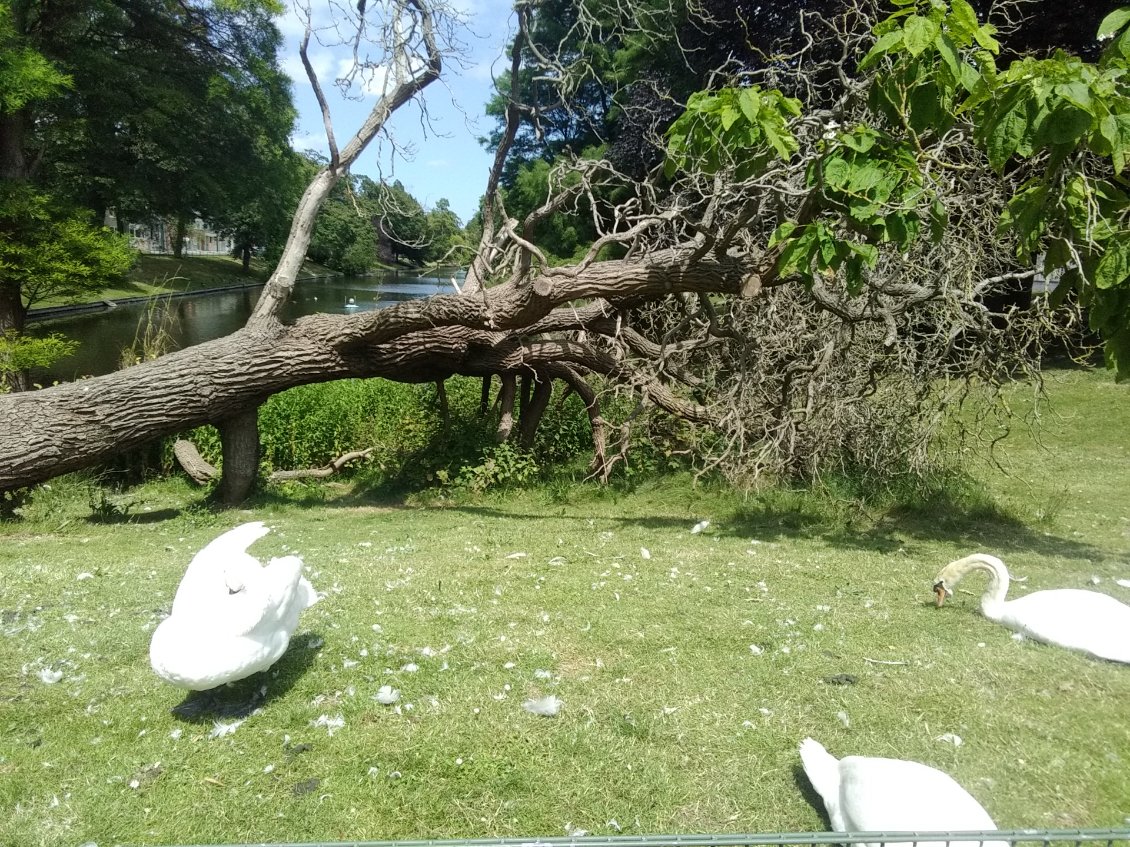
[
  {"x": 332, "y": 725},
  {"x": 387, "y": 695},
  {"x": 220, "y": 729},
  {"x": 545, "y": 706},
  {"x": 699, "y": 527}
]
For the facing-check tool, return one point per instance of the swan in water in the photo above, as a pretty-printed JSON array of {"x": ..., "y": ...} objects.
[
  {"x": 1089, "y": 621},
  {"x": 865, "y": 794},
  {"x": 231, "y": 616}
]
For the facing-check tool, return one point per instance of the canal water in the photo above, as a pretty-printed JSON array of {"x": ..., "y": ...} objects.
[{"x": 104, "y": 333}]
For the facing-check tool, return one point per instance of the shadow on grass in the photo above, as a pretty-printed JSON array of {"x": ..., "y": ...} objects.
[
  {"x": 239, "y": 699},
  {"x": 809, "y": 794},
  {"x": 962, "y": 516}
]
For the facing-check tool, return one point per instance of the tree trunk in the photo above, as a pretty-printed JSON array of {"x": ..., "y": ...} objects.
[
  {"x": 245, "y": 254},
  {"x": 239, "y": 441},
  {"x": 179, "y": 236},
  {"x": 484, "y": 398},
  {"x": 75, "y": 425},
  {"x": 533, "y": 408},
  {"x": 506, "y": 403}
]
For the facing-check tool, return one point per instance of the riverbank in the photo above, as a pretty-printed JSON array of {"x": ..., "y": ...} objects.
[{"x": 166, "y": 276}]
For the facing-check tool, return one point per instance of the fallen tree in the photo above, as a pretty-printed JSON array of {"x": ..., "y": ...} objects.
[{"x": 799, "y": 282}]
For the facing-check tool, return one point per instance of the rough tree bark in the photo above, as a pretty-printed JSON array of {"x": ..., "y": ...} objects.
[
  {"x": 75, "y": 425},
  {"x": 239, "y": 437}
]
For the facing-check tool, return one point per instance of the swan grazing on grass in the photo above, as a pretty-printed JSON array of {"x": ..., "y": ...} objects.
[
  {"x": 865, "y": 794},
  {"x": 1089, "y": 621},
  {"x": 231, "y": 616}
]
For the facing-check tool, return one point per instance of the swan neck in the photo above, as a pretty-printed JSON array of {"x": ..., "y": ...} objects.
[{"x": 997, "y": 588}]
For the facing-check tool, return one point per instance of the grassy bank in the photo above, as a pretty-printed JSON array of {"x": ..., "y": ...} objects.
[
  {"x": 156, "y": 275},
  {"x": 604, "y": 598}
]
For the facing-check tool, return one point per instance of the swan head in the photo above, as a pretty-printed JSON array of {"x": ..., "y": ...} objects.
[{"x": 941, "y": 592}]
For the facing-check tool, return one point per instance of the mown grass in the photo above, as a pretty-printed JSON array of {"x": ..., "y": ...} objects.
[{"x": 670, "y": 724}]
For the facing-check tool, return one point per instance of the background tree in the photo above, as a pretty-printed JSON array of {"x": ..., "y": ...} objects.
[
  {"x": 809, "y": 285},
  {"x": 48, "y": 246},
  {"x": 138, "y": 106}
]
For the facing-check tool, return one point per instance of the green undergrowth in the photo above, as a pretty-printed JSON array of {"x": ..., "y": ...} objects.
[{"x": 690, "y": 664}]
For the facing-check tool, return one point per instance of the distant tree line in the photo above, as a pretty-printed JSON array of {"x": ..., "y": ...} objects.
[{"x": 165, "y": 111}]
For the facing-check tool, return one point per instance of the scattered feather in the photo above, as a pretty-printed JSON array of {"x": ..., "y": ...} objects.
[
  {"x": 387, "y": 695},
  {"x": 1018, "y": 636},
  {"x": 1125, "y": 583},
  {"x": 332, "y": 725},
  {"x": 844, "y": 719},
  {"x": 950, "y": 738},
  {"x": 84, "y": 575},
  {"x": 517, "y": 555},
  {"x": 575, "y": 832},
  {"x": 544, "y": 706},
  {"x": 645, "y": 553},
  {"x": 756, "y": 650},
  {"x": 314, "y": 643},
  {"x": 411, "y": 667},
  {"x": 541, "y": 673},
  {"x": 50, "y": 677},
  {"x": 220, "y": 729},
  {"x": 699, "y": 527}
]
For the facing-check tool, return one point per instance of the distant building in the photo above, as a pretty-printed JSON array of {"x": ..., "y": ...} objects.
[{"x": 156, "y": 236}]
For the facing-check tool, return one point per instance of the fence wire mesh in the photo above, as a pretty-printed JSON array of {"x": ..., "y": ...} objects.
[{"x": 982, "y": 838}]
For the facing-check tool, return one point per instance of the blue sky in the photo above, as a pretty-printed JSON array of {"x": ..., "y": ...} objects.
[{"x": 435, "y": 158}]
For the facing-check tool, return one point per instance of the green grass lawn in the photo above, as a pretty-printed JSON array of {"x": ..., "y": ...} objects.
[{"x": 671, "y": 723}]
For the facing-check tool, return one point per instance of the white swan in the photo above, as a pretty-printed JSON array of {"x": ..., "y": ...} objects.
[
  {"x": 865, "y": 794},
  {"x": 231, "y": 617},
  {"x": 1089, "y": 621}
]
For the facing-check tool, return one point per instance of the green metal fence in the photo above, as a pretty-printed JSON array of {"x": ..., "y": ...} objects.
[{"x": 1020, "y": 837}]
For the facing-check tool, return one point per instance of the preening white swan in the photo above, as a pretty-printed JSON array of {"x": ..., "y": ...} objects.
[
  {"x": 865, "y": 794},
  {"x": 1089, "y": 621},
  {"x": 231, "y": 616}
]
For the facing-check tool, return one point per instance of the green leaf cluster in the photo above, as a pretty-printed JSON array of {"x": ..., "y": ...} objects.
[
  {"x": 738, "y": 129},
  {"x": 25, "y": 73},
  {"x": 928, "y": 57},
  {"x": 19, "y": 353},
  {"x": 49, "y": 249}
]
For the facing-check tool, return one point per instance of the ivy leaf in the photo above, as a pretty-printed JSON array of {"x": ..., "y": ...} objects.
[
  {"x": 965, "y": 18},
  {"x": 881, "y": 48},
  {"x": 750, "y": 104},
  {"x": 1006, "y": 133},
  {"x": 1113, "y": 22},
  {"x": 1114, "y": 267},
  {"x": 919, "y": 33},
  {"x": 1078, "y": 94},
  {"x": 730, "y": 116}
]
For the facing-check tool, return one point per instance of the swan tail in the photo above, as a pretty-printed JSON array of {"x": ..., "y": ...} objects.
[{"x": 822, "y": 770}]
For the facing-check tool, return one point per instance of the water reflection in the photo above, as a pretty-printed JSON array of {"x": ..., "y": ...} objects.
[{"x": 104, "y": 334}]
